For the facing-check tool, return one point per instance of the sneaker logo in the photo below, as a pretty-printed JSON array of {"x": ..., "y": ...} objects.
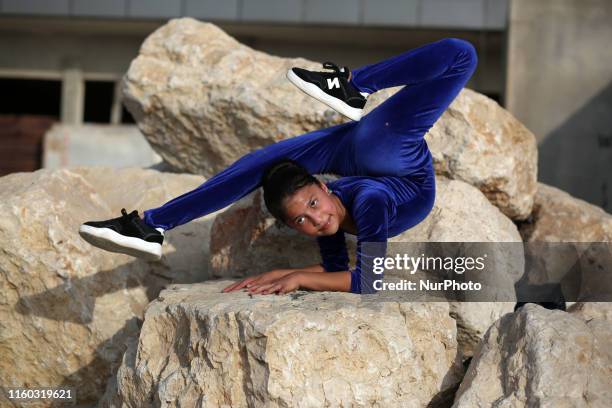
[{"x": 333, "y": 83}]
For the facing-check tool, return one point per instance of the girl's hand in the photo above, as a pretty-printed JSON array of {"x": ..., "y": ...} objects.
[
  {"x": 260, "y": 279},
  {"x": 286, "y": 284}
]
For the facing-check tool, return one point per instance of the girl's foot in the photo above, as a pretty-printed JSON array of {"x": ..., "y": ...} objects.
[
  {"x": 127, "y": 234},
  {"x": 332, "y": 88}
]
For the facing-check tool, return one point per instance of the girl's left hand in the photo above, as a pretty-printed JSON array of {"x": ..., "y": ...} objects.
[{"x": 286, "y": 284}]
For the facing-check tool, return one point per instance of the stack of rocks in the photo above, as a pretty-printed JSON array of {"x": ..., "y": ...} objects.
[{"x": 127, "y": 332}]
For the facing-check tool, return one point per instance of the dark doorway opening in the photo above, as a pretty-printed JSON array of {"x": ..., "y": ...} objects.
[
  {"x": 28, "y": 108},
  {"x": 99, "y": 97},
  {"x": 98, "y": 101},
  {"x": 30, "y": 96}
]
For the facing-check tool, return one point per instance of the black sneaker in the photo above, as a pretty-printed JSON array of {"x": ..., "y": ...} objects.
[
  {"x": 127, "y": 234},
  {"x": 331, "y": 88}
]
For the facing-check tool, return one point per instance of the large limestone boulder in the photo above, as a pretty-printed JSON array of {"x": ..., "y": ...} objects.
[
  {"x": 592, "y": 310},
  {"x": 540, "y": 357},
  {"x": 201, "y": 347},
  {"x": 203, "y": 100},
  {"x": 568, "y": 244},
  {"x": 479, "y": 142},
  {"x": 461, "y": 213},
  {"x": 559, "y": 217},
  {"x": 246, "y": 240},
  {"x": 67, "y": 308}
]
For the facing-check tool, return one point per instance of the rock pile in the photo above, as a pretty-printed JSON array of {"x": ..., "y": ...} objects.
[
  {"x": 539, "y": 357},
  {"x": 200, "y": 347},
  {"x": 67, "y": 308},
  {"x": 71, "y": 314}
]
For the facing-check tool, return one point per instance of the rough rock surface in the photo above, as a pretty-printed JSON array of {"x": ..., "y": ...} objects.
[
  {"x": 203, "y": 100},
  {"x": 246, "y": 240},
  {"x": 570, "y": 242},
  {"x": 540, "y": 357},
  {"x": 592, "y": 310},
  {"x": 461, "y": 213},
  {"x": 481, "y": 143},
  {"x": 200, "y": 347},
  {"x": 559, "y": 217},
  {"x": 67, "y": 308}
]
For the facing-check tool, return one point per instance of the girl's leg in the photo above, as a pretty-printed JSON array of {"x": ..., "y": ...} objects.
[
  {"x": 389, "y": 140},
  {"x": 313, "y": 150}
]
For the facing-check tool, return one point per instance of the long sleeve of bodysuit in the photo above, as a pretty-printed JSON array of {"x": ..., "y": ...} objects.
[
  {"x": 333, "y": 250},
  {"x": 371, "y": 216}
]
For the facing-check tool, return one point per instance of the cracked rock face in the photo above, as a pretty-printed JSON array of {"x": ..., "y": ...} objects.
[
  {"x": 203, "y": 100},
  {"x": 67, "y": 308},
  {"x": 200, "y": 346},
  {"x": 479, "y": 142},
  {"x": 559, "y": 217},
  {"x": 542, "y": 358},
  {"x": 569, "y": 242},
  {"x": 461, "y": 213}
]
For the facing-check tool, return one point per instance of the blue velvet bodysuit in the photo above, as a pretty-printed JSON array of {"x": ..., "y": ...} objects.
[{"x": 387, "y": 180}]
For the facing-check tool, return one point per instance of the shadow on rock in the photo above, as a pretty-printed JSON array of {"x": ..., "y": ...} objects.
[
  {"x": 75, "y": 299},
  {"x": 106, "y": 361}
]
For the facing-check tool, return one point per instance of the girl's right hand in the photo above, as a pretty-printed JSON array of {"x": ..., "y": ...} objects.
[{"x": 260, "y": 279}]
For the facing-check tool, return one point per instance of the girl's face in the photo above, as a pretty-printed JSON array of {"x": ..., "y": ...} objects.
[{"x": 313, "y": 211}]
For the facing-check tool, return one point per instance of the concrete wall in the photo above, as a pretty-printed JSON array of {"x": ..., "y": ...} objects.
[
  {"x": 75, "y": 50},
  {"x": 43, "y": 48},
  {"x": 559, "y": 83},
  {"x": 471, "y": 14},
  {"x": 103, "y": 49},
  {"x": 97, "y": 145}
]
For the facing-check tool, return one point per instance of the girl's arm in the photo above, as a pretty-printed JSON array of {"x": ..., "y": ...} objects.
[
  {"x": 314, "y": 268},
  {"x": 332, "y": 281},
  {"x": 267, "y": 277}
]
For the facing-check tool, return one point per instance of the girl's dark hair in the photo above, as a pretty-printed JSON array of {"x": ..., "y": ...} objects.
[{"x": 280, "y": 181}]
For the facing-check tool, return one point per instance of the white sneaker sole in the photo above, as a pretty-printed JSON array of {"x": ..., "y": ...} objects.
[
  {"x": 112, "y": 241},
  {"x": 317, "y": 93}
]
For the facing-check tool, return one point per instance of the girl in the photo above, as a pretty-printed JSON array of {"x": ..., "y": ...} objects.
[{"x": 387, "y": 184}]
